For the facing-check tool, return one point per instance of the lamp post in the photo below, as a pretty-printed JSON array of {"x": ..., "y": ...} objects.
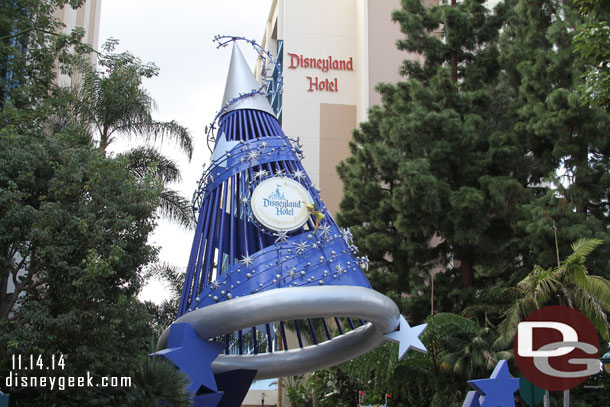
[
  {"x": 263, "y": 399},
  {"x": 605, "y": 359}
]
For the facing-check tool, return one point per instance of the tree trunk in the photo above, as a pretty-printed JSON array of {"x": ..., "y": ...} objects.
[
  {"x": 465, "y": 267},
  {"x": 7, "y": 302}
]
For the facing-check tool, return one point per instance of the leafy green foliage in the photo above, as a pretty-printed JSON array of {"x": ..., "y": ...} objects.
[
  {"x": 160, "y": 383},
  {"x": 74, "y": 222},
  {"x": 75, "y": 230},
  {"x": 593, "y": 43},
  {"x": 567, "y": 284}
]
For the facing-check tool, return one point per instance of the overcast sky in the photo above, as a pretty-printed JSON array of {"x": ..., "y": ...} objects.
[{"x": 177, "y": 36}]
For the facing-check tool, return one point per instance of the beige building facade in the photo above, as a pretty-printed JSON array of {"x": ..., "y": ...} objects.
[
  {"x": 87, "y": 17},
  {"x": 333, "y": 55}
]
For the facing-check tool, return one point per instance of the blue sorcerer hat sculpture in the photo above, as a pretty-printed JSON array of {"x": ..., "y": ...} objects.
[{"x": 273, "y": 286}]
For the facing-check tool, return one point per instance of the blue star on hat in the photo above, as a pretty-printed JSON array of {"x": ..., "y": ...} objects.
[
  {"x": 497, "y": 391},
  {"x": 192, "y": 355}
]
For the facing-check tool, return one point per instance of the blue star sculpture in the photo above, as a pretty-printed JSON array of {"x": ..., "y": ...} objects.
[
  {"x": 497, "y": 391},
  {"x": 407, "y": 337},
  {"x": 472, "y": 399},
  {"x": 193, "y": 356}
]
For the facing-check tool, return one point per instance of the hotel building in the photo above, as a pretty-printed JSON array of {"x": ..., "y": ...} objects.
[{"x": 333, "y": 54}]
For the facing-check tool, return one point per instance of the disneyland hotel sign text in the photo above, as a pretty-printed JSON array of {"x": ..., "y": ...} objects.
[{"x": 323, "y": 64}]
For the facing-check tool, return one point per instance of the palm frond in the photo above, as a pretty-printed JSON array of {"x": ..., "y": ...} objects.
[
  {"x": 599, "y": 288},
  {"x": 590, "y": 307},
  {"x": 176, "y": 208},
  {"x": 515, "y": 314},
  {"x": 170, "y": 274},
  {"x": 152, "y": 130},
  {"x": 584, "y": 246},
  {"x": 162, "y": 384},
  {"x": 144, "y": 161}
]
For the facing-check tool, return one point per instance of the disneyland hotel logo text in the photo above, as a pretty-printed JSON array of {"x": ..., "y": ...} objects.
[
  {"x": 323, "y": 64},
  {"x": 282, "y": 205}
]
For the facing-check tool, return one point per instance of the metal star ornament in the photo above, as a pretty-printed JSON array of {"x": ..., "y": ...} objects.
[
  {"x": 260, "y": 174},
  {"x": 301, "y": 247},
  {"x": 407, "y": 337},
  {"x": 497, "y": 391},
  {"x": 246, "y": 260},
  {"x": 252, "y": 155},
  {"x": 298, "y": 174},
  {"x": 281, "y": 236},
  {"x": 280, "y": 172},
  {"x": 347, "y": 235},
  {"x": 325, "y": 230}
]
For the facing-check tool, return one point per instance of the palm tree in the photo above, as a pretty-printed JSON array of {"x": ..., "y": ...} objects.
[
  {"x": 158, "y": 383},
  {"x": 149, "y": 162},
  {"x": 568, "y": 284},
  {"x": 476, "y": 357},
  {"x": 113, "y": 104}
]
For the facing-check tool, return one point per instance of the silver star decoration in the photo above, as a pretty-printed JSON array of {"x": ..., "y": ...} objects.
[
  {"x": 281, "y": 236},
  {"x": 280, "y": 172},
  {"x": 347, "y": 235},
  {"x": 354, "y": 249},
  {"x": 298, "y": 142},
  {"x": 261, "y": 174},
  {"x": 264, "y": 144},
  {"x": 407, "y": 337},
  {"x": 301, "y": 247},
  {"x": 325, "y": 230},
  {"x": 365, "y": 260},
  {"x": 214, "y": 285},
  {"x": 244, "y": 200},
  {"x": 292, "y": 272},
  {"x": 253, "y": 155},
  {"x": 298, "y": 174},
  {"x": 246, "y": 260},
  {"x": 340, "y": 269}
]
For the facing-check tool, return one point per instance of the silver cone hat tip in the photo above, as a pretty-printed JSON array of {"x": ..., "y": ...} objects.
[{"x": 241, "y": 80}]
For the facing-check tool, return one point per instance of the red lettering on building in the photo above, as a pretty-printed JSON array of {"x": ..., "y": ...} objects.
[
  {"x": 317, "y": 84},
  {"x": 325, "y": 65}
]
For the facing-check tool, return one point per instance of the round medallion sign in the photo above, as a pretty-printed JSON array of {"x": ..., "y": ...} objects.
[
  {"x": 556, "y": 348},
  {"x": 278, "y": 203}
]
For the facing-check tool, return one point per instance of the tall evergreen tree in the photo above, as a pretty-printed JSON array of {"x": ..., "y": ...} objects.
[
  {"x": 568, "y": 141},
  {"x": 436, "y": 173}
]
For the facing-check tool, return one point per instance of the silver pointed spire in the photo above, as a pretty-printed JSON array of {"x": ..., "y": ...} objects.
[{"x": 240, "y": 80}]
